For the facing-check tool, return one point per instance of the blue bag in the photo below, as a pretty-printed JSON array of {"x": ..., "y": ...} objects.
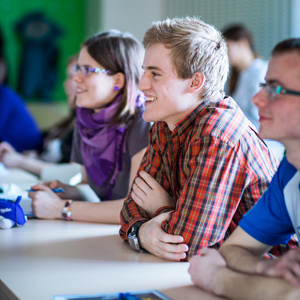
[{"x": 12, "y": 210}]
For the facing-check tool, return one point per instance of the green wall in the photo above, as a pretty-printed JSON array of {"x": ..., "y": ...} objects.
[{"x": 67, "y": 14}]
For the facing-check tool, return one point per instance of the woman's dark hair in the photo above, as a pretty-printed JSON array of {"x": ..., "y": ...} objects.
[
  {"x": 119, "y": 52},
  {"x": 237, "y": 32}
]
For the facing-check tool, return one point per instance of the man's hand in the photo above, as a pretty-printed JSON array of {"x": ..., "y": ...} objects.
[
  {"x": 45, "y": 203},
  {"x": 149, "y": 194},
  {"x": 156, "y": 241},
  {"x": 203, "y": 269},
  {"x": 286, "y": 267}
]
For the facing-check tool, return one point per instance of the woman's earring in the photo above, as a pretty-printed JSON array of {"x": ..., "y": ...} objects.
[{"x": 116, "y": 88}]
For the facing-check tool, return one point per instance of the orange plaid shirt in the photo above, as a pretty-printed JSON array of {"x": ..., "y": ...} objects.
[{"x": 215, "y": 167}]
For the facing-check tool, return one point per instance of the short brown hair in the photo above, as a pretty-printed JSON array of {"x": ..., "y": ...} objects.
[{"x": 195, "y": 47}]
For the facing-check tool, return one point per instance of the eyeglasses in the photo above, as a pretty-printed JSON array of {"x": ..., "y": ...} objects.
[
  {"x": 273, "y": 91},
  {"x": 86, "y": 70}
]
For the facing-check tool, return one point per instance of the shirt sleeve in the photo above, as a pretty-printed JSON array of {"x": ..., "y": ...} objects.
[
  {"x": 151, "y": 163},
  {"x": 268, "y": 221}
]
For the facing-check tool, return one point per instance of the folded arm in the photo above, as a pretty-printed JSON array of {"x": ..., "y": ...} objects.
[
  {"x": 209, "y": 272},
  {"x": 244, "y": 253},
  {"x": 207, "y": 200}
]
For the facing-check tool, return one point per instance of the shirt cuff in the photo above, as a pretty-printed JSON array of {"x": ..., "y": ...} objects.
[{"x": 162, "y": 210}]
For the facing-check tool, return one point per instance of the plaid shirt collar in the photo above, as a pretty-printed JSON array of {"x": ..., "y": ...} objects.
[{"x": 182, "y": 128}]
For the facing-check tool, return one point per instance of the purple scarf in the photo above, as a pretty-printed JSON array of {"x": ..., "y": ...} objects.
[{"x": 102, "y": 147}]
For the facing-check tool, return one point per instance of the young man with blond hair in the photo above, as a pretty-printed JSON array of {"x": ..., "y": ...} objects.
[{"x": 205, "y": 165}]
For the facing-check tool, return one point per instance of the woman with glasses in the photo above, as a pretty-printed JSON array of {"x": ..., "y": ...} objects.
[{"x": 110, "y": 136}]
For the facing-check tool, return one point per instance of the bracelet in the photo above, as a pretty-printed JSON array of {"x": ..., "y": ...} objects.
[{"x": 66, "y": 211}]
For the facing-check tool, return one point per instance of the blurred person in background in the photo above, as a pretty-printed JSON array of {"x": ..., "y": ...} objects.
[
  {"x": 247, "y": 69},
  {"x": 17, "y": 125},
  {"x": 57, "y": 142}
]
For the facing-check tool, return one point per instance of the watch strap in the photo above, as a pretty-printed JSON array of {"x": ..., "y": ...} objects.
[{"x": 134, "y": 232}]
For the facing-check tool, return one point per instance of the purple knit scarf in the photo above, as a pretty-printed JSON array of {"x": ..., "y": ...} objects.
[{"x": 102, "y": 147}]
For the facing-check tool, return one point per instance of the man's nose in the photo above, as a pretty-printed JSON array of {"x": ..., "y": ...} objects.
[{"x": 144, "y": 83}]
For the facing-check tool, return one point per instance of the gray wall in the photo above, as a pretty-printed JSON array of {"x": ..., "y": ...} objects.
[
  {"x": 134, "y": 16},
  {"x": 270, "y": 20}
]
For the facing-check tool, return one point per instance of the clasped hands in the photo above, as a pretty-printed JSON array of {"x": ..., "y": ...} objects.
[{"x": 150, "y": 195}]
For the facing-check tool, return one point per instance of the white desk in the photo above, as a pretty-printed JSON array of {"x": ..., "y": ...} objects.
[
  {"x": 20, "y": 177},
  {"x": 24, "y": 180},
  {"x": 44, "y": 258}
]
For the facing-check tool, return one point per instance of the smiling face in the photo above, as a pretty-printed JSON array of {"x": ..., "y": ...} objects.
[
  {"x": 95, "y": 90},
  {"x": 280, "y": 118},
  {"x": 169, "y": 98}
]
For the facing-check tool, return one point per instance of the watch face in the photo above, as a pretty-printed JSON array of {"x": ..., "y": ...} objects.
[{"x": 133, "y": 241}]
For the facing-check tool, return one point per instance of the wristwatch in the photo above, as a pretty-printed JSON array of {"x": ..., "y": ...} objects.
[
  {"x": 133, "y": 238},
  {"x": 66, "y": 211}
]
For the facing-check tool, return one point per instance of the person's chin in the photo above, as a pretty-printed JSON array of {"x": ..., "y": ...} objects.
[
  {"x": 264, "y": 134},
  {"x": 147, "y": 117},
  {"x": 80, "y": 102}
]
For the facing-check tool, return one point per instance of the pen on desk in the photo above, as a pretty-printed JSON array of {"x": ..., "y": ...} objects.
[{"x": 58, "y": 190}]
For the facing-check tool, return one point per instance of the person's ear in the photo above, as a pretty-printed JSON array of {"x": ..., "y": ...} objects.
[
  {"x": 197, "y": 82},
  {"x": 119, "y": 80}
]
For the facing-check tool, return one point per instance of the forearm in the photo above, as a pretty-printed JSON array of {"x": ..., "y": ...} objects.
[
  {"x": 239, "y": 258},
  {"x": 32, "y": 165},
  {"x": 236, "y": 286},
  {"x": 102, "y": 212}
]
